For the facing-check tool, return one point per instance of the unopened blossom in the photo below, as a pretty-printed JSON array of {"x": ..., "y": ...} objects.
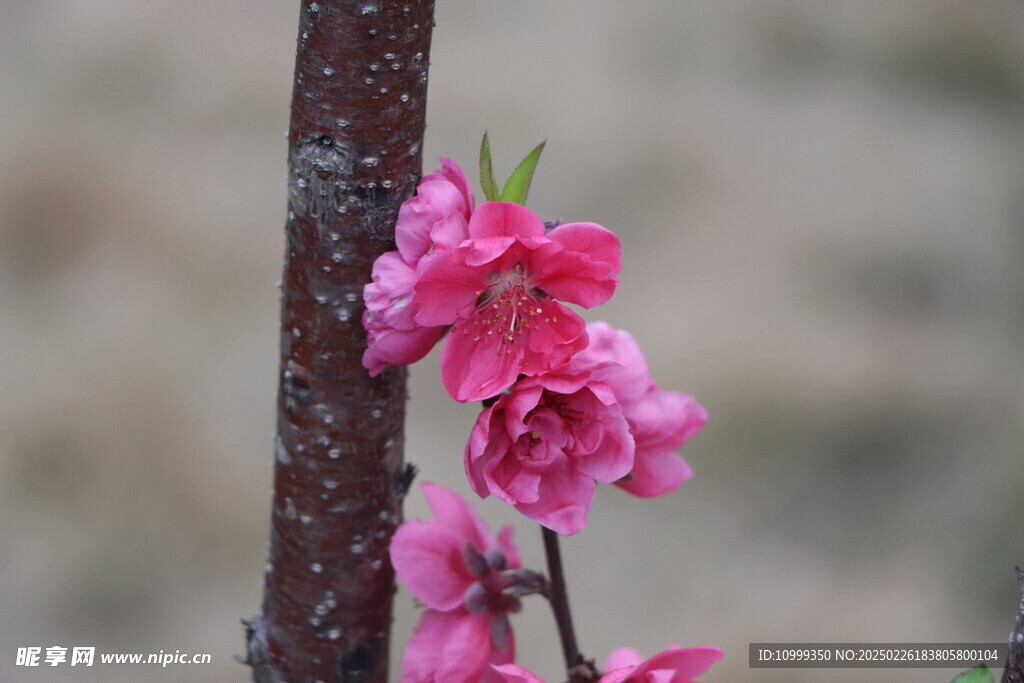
[
  {"x": 436, "y": 219},
  {"x": 470, "y": 581},
  {"x": 543, "y": 445},
  {"x": 500, "y": 291},
  {"x": 674, "y": 665},
  {"x": 660, "y": 421}
]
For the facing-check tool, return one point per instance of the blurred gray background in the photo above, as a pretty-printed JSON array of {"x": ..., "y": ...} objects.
[{"x": 821, "y": 210}]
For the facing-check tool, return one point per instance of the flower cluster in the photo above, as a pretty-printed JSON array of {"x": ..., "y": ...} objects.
[
  {"x": 566, "y": 405},
  {"x": 544, "y": 444},
  {"x": 470, "y": 582},
  {"x": 573, "y": 404}
]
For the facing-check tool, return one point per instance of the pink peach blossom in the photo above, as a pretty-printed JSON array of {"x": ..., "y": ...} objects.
[
  {"x": 394, "y": 337},
  {"x": 674, "y": 665},
  {"x": 513, "y": 673},
  {"x": 660, "y": 421},
  {"x": 436, "y": 219},
  {"x": 469, "y": 580},
  {"x": 542, "y": 446},
  {"x": 498, "y": 289}
]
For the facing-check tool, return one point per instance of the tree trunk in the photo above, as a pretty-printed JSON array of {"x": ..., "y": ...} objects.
[{"x": 357, "y": 123}]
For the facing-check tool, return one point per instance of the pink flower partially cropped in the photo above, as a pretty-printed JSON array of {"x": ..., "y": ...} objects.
[
  {"x": 660, "y": 421},
  {"x": 469, "y": 581},
  {"x": 542, "y": 446},
  {"x": 500, "y": 289},
  {"x": 674, "y": 665},
  {"x": 394, "y": 337},
  {"x": 436, "y": 219}
]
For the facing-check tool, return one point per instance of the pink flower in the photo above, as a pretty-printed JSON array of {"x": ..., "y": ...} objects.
[
  {"x": 394, "y": 337},
  {"x": 674, "y": 665},
  {"x": 437, "y": 217},
  {"x": 513, "y": 673},
  {"x": 542, "y": 446},
  {"x": 660, "y": 421},
  {"x": 499, "y": 288},
  {"x": 470, "y": 581},
  {"x": 434, "y": 220}
]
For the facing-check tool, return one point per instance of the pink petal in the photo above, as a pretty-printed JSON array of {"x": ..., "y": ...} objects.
[
  {"x": 660, "y": 676},
  {"x": 465, "y": 655},
  {"x": 565, "y": 499},
  {"x": 430, "y": 562},
  {"x": 497, "y": 655},
  {"x": 423, "y": 651},
  {"x": 553, "y": 433},
  {"x": 656, "y": 473},
  {"x": 513, "y": 673},
  {"x": 613, "y": 458},
  {"x": 435, "y": 200},
  {"x": 597, "y": 242},
  {"x": 621, "y": 658},
  {"x": 625, "y": 369},
  {"x": 391, "y": 274},
  {"x": 457, "y": 516},
  {"x": 450, "y": 231},
  {"x": 686, "y": 663},
  {"x": 447, "y": 288},
  {"x": 577, "y": 276},
  {"x": 504, "y": 219},
  {"x": 451, "y": 646},
  {"x": 517, "y": 404},
  {"x": 487, "y": 249},
  {"x": 554, "y": 326},
  {"x": 400, "y": 347},
  {"x": 565, "y": 379},
  {"x": 508, "y": 547},
  {"x": 451, "y": 172},
  {"x": 476, "y": 367},
  {"x": 665, "y": 419},
  {"x": 570, "y": 277},
  {"x": 507, "y": 479},
  {"x": 483, "y": 441}
]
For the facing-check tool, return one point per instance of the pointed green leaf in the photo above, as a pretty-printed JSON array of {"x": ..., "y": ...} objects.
[
  {"x": 518, "y": 184},
  {"x": 979, "y": 674},
  {"x": 487, "y": 171}
]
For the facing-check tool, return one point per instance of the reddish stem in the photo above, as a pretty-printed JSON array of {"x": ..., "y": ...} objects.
[{"x": 578, "y": 670}]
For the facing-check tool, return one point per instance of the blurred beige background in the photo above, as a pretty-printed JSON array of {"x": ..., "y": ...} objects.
[{"x": 822, "y": 216}]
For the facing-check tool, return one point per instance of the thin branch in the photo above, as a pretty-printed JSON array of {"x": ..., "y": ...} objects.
[
  {"x": 578, "y": 670},
  {"x": 354, "y": 156}
]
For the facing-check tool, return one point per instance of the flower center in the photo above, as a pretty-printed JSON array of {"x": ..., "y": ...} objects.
[
  {"x": 493, "y": 591},
  {"x": 506, "y": 309}
]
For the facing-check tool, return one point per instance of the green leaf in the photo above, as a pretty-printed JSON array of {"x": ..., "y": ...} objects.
[
  {"x": 979, "y": 674},
  {"x": 487, "y": 171},
  {"x": 518, "y": 184}
]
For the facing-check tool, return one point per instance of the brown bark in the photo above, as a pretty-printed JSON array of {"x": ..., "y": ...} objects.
[{"x": 354, "y": 156}]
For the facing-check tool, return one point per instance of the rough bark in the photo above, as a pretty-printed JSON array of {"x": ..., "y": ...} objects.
[{"x": 354, "y": 156}]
